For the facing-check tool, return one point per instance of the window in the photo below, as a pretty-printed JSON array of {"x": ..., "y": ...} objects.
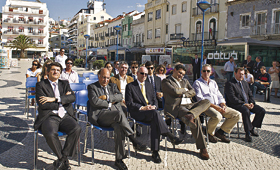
[
  {"x": 178, "y": 28},
  {"x": 40, "y": 41},
  {"x": 94, "y": 18},
  {"x": 21, "y": 18},
  {"x": 245, "y": 20},
  {"x": 157, "y": 33},
  {"x": 167, "y": 8},
  {"x": 174, "y": 7},
  {"x": 277, "y": 17},
  {"x": 102, "y": 18},
  {"x": 10, "y": 28},
  {"x": 184, "y": 6},
  {"x": 261, "y": 18},
  {"x": 158, "y": 14},
  {"x": 150, "y": 16},
  {"x": 41, "y": 30},
  {"x": 166, "y": 29},
  {"x": 149, "y": 33},
  {"x": 143, "y": 37},
  {"x": 30, "y": 19},
  {"x": 30, "y": 30},
  {"x": 198, "y": 27},
  {"x": 21, "y": 29}
]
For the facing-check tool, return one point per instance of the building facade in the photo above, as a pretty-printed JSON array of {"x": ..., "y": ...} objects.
[{"x": 27, "y": 18}]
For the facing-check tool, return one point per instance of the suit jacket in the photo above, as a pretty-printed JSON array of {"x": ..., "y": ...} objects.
[
  {"x": 44, "y": 88},
  {"x": 98, "y": 105},
  {"x": 257, "y": 68},
  {"x": 196, "y": 66},
  {"x": 233, "y": 93},
  {"x": 114, "y": 71},
  {"x": 131, "y": 76},
  {"x": 157, "y": 82},
  {"x": 173, "y": 94},
  {"x": 134, "y": 98},
  {"x": 207, "y": 61},
  {"x": 250, "y": 64},
  {"x": 116, "y": 80}
]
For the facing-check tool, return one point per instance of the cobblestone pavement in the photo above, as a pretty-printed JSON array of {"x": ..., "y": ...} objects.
[{"x": 17, "y": 140}]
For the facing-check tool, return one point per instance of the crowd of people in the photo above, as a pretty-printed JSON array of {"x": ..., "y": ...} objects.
[{"x": 139, "y": 91}]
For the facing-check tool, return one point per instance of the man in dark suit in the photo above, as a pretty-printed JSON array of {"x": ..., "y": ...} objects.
[
  {"x": 257, "y": 66},
  {"x": 134, "y": 69},
  {"x": 116, "y": 67},
  {"x": 239, "y": 97},
  {"x": 142, "y": 104},
  {"x": 196, "y": 67},
  {"x": 205, "y": 60},
  {"x": 249, "y": 64},
  {"x": 155, "y": 81},
  {"x": 55, "y": 99},
  {"x": 105, "y": 110},
  {"x": 177, "y": 93}
]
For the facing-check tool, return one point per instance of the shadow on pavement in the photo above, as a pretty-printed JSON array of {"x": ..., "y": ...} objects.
[
  {"x": 10, "y": 83},
  {"x": 16, "y": 106}
]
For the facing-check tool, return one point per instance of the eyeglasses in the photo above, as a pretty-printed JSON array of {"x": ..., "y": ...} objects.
[
  {"x": 134, "y": 67},
  {"x": 70, "y": 63},
  {"x": 144, "y": 74},
  {"x": 34, "y": 64},
  {"x": 161, "y": 70},
  {"x": 208, "y": 71},
  {"x": 150, "y": 68}
]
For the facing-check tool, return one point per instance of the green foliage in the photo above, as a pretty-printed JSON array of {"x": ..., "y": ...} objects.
[
  {"x": 78, "y": 62},
  {"x": 98, "y": 63},
  {"x": 52, "y": 58},
  {"x": 22, "y": 42}
]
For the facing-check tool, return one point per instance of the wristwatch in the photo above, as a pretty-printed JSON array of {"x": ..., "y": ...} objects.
[{"x": 56, "y": 100}]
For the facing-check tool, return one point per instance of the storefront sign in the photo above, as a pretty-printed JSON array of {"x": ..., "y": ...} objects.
[
  {"x": 102, "y": 52},
  {"x": 198, "y": 43},
  {"x": 155, "y": 50},
  {"x": 145, "y": 58},
  {"x": 218, "y": 56},
  {"x": 163, "y": 58}
]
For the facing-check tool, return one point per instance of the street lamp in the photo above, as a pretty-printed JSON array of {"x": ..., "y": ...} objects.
[
  {"x": 203, "y": 6},
  {"x": 86, "y": 37},
  {"x": 117, "y": 28},
  {"x": 70, "y": 42}
]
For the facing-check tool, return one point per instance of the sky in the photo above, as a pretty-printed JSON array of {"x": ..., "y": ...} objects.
[{"x": 66, "y": 9}]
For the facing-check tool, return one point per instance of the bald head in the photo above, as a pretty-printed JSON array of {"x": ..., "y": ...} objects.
[
  {"x": 104, "y": 76},
  {"x": 142, "y": 74}
]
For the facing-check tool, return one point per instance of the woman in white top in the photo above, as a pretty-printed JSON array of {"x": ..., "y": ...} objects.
[
  {"x": 274, "y": 73},
  {"x": 160, "y": 72},
  {"x": 249, "y": 78},
  {"x": 35, "y": 70}
]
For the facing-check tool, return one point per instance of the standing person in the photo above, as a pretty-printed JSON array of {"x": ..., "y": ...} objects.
[
  {"x": 61, "y": 57},
  {"x": 205, "y": 60},
  {"x": 68, "y": 73},
  {"x": 248, "y": 64},
  {"x": 55, "y": 112},
  {"x": 196, "y": 67},
  {"x": 274, "y": 73},
  {"x": 257, "y": 66},
  {"x": 109, "y": 66},
  {"x": 105, "y": 110},
  {"x": 161, "y": 72},
  {"x": 155, "y": 81},
  {"x": 116, "y": 67},
  {"x": 35, "y": 70},
  {"x": 134, "y": 69},
  {"x": 239, "y": 97},
  {"x": 44, "y": 73},
  {"x": 229, "y": 68},
  {"x": 205, "y": 88},
  {"x": 142, "y": 104},
  {"x": 177, "y": 94}
]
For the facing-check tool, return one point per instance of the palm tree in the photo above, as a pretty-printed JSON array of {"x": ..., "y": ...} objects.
[{"x": 22, "y": 42}]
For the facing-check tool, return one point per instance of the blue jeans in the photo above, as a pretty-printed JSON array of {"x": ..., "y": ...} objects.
[
  {"x": 229, "y": 75},
  {"x": 253, "y": 89}
]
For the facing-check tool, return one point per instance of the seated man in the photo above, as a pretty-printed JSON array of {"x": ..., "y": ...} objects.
[
  {"x": 206, "y": 88},
  {"x": 55, "y": 112},
  {"x": 263, "y": 80},
  {"x": 239, "y": 97},
  {"x": 105, "y": 110},
  {"x": 142, "y": 104},
  {"x": 121, "y": 80},
  {"x": 177, "y": 93},
  {"x": 68, "y": 73}
]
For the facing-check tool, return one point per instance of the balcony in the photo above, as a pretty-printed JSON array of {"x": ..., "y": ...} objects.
[
  {"x": 112, "y": 33},
  {"x": 137, "y": 44},
  {"x": 102, "y": 37},
  {"x": 176, "y": 36},
  {"x": 11, "y": 32},
  {"x": 107, "y": 35},
  {"x": 275, "y": 28},
  {"x": 96, "y": 38},
  {"x": 26, "y": 12},
  {"x": 258, "y": 30},
  {"x": 213, "y": 9},
  {"x": 207, "y": 36}
]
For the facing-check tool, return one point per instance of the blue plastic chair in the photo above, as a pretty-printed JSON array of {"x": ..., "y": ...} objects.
[
  {"x": 93, "y": 77},
  {"x": 78, "y": 86},
  {"x": 87, "y": 74},
  {"x": 81, "y": 101},
  {"x": 28, "y": 96},
  {"x": 81, "y": 79},
  {"x": 87, "y": 82}
]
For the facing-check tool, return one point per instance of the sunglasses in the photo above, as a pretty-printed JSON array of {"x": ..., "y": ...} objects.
[
  {"x": 150, "y": 68},
  {"x": 144, "y": 74},
  {"x": 34, "y": 64},
  {"x": 134, "y": 67},
  {"x": 70, "y": 63},
  {"x": 208, "y": 71},
  {"x": 161, "y": 70},
  {"x": 62, "y": 51}
]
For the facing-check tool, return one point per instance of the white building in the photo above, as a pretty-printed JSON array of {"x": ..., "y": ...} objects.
[{"x": 27, "y": 18}]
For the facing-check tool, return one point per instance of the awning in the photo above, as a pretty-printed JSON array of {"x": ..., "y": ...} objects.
[
  {"x": 20, "y": 16},
  {"x": 249, "y": 41},
  {"x": 40, "y": 18},
  {"x": 10, "y": 16},
  {"x": 137, "y": 50},
  {"x": 21, "y": 28},
  {"x": 30, "y": 17},
  {"x": 40, "y": 28}
]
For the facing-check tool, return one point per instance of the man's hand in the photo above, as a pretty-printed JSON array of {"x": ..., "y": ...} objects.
[
  {"x": 218, "y": 108},
  {"x": 159, "y": 95},
  {"x": 103, "y": 97},
  {"x": 44, "y": 99},
  {"x": 148, "y": 107},
  {"x": 249, "y": 106},
  {"x": 223, "y": 106},
  {"x": 68, "y": 93},
  {"x": 123, "y": 101}
]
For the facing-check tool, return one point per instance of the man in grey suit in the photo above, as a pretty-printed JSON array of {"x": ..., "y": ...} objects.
[
  {"x": 177, "y": 93},
  {"x": 105, "y": 110},
  {"x": 55, "y": 112}
]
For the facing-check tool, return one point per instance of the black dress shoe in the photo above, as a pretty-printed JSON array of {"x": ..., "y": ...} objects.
[
  {"x": 248, "y": 138},
  {"x": 120, "y": 164},
  {"x": 156, "y": 157},
  {"x": 176, "y": 141},
  {"x": 254, "y": 133},
  {"x": 139, "y": 147},
  {"x": 59, "y": 165}
]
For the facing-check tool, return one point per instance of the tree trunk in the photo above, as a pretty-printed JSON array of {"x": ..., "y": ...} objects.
[{"x": 22, "y": 53}]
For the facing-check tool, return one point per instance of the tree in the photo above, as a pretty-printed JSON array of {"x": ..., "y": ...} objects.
[{"x": 22, "y": 42}]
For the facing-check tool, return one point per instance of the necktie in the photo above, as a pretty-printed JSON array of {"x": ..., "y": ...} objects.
[
  {"x": 152, "y": 81},
  {"x": 243, "y": 92},
  {"x": 134, "y": 77},
  {"x": 144, "y": 92},
  {"x": 195, "y": 61},
  {"x": 56, "y": 94}
]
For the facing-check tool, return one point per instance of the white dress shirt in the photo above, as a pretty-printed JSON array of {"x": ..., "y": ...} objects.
[
  {"x": 123, "y": 84},
  {"x": 229, "y": 66},
  {"x": 58, "y": 98},
  {"x": 185, "y": 100},
  {"x": 61, "y": 59},
  {"x": 72, "y": 77}
]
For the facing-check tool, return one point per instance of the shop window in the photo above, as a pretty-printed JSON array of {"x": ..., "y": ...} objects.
[
  {"x": 245, "y": 21},
  {"x": 184, "y": 7},
  {"x": 158, "y": 14},
  {"x": 157, "y": 33},
  {"x": 174, "y": 9},
  {"x": 150, "y": 16},
  {"x": 149, "y": 34}
]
